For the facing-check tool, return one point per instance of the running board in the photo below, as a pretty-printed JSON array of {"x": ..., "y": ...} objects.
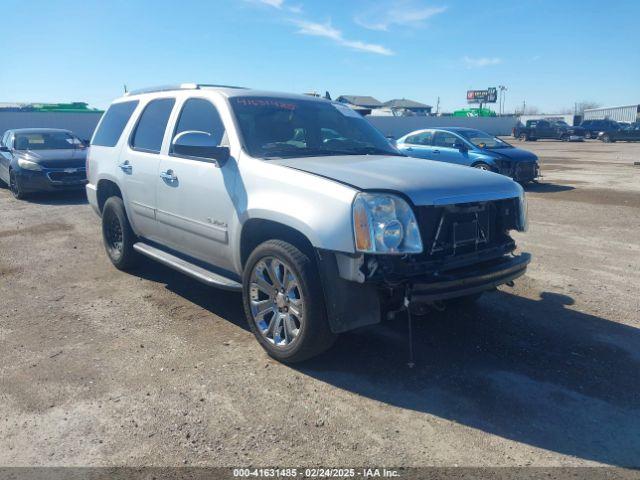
[{"x": 201, "y": 274}]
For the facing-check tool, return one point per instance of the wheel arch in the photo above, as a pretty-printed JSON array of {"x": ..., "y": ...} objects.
[
  {"x": 258, "y": 230},
  {"x": 107, "y": 188}
]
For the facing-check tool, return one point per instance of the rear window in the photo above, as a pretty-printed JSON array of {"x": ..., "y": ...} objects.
[
  {"x": 113, "y": 123},
  {"x": 150, "y": 130}
]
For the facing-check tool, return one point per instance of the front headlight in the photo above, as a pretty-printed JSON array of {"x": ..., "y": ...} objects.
[
  {"x": 523, "y": 213},
  {"x": 28, "y": 165},
  {"x": 385, "y": 223}
]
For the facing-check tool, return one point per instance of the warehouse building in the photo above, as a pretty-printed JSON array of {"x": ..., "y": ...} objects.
[{"x": 625, "y": 113}]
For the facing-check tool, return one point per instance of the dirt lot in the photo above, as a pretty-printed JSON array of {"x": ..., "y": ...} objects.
[{"x": 100, "y": 367}]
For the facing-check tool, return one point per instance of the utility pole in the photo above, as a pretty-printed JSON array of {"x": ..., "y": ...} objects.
[
  {"x": 438, "y": 107},
  {"x": 502, "y": 89}
]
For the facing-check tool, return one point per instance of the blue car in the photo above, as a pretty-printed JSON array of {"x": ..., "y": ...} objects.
[{"x": 473, "y": 148}]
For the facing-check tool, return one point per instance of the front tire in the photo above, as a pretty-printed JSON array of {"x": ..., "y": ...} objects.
[
  {"x": 606, "y": 138},
  {"x": 483, "y": 166},
  {"x": 524, "y": 137},
  {"x": 588, "y": 135},
  {"x": 117, "y": 235},
  {"x": 284, "y": 302},
  {"x": 15, "y": 187}
]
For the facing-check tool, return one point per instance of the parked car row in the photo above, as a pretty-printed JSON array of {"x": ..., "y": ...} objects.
[
  {"x": 297, "y": 202},
  {"x": 547, "y": 129},
  {"x": 605, "y": 130}
]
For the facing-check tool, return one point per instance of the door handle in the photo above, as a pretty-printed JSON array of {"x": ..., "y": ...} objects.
[
  {"x": 126, "y": 167},
  {"x": 409, "y": 149},
  {"x": 168, "y": 175},
  {"x": 435, "y": 151}
]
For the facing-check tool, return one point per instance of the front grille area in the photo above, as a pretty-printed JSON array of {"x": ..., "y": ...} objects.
[
  {"x": 525, "y": 171},
  {"x": 456, "y": 230},
  {"x": 453, "y": 237},
  {"x": 78, "y": 176}
]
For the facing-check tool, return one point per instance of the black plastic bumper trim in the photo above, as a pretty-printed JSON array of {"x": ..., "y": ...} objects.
[{"x": 472, "y": 282}]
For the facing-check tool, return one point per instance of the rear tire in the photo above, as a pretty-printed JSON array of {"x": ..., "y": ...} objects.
[
  {"x": 588, "y": 135},
  {"x": 606, "y": 138},
  {"x": 524, "y": 137},
  {"x": 284, "y": 302},
  {"x": 117, "y": 235}
]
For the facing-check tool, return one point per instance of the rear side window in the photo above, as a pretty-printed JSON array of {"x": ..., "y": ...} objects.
[
  {"x": 200, "y": 115},
  {"x": 152, "y": 124},
  {"x": 113, "y": 123}
]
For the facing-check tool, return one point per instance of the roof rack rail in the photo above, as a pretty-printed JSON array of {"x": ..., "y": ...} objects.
[{"x": 179, "y": 86}]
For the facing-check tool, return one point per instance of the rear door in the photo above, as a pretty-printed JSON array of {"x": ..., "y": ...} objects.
[
  {"x": 195, "y": 203},
  {"x": 140, "y": 162},
  {"x": 418, "y": 145}
]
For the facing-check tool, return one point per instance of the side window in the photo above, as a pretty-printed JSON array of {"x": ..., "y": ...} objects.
[
  {"x": 543, "y": 124},
  {"x": 152, "y": 124},
  {"x": 113, "y": 123},
  {"x": 423, "y": 138},
  {"x": 200, "y": 115},
  {"x": 445, "y": 140}
]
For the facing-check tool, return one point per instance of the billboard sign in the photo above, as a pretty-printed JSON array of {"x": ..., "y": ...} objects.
[{"x": 490, "y": 95}]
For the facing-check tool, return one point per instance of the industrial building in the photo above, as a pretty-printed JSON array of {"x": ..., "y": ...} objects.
[
  {"x": 77, "y": 117},
  {"x": 625, "y": 113}
]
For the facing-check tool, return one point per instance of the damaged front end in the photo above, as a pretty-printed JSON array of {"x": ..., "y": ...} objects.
[{"x": 466, "y": 249}]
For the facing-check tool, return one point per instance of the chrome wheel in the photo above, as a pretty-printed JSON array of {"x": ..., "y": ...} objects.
[{"x": 276, "y": 301}]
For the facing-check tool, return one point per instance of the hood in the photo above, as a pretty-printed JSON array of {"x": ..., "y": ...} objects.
[
  {"x": 516, "y": 154},
  {"x": 425, "y": 182},
  {"x": 59, "y": 158}
]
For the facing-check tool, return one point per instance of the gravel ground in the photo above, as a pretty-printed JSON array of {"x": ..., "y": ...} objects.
[{"x": 100, "y": 367}]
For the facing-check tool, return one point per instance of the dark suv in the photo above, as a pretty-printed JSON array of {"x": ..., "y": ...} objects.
[{"x": 594, "y": 127}]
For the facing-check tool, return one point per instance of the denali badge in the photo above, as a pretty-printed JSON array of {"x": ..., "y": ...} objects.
[{"x": 70, "y": 170}]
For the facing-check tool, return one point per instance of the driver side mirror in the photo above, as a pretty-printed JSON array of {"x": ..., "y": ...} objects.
[
  {"x": 4, "y": 148},
  {"x": 199, "y": 146}
]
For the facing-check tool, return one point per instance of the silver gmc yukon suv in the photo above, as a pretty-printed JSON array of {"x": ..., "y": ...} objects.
[{"x": 299, "y": 203}]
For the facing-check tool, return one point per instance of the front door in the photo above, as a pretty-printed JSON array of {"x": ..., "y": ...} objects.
[
  {"x": 195, "y": 202},
  {"x": 445, "y": 148},
  {"x": 139, "y": 165}
]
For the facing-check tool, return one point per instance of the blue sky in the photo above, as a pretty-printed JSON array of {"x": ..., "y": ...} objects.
[{"x": 548, "y": 53}]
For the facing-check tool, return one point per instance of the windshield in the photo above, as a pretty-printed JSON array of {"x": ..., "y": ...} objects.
[
  {"x": 275, "y": 127},
  {"x": 46, "y": 141},
  {"x": 484, "y": 140},
  {"x": 562, "y": 123}
]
